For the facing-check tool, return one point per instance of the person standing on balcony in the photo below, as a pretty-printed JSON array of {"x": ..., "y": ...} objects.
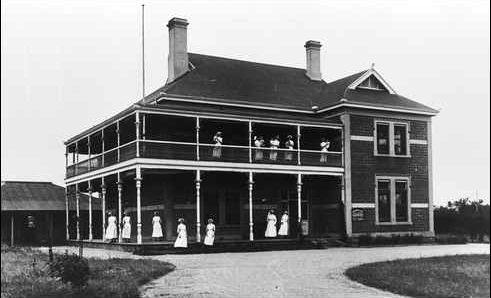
[
  {"x": 182, "y": 236},
  {"x": 157, "y": 227},
  {"x": 111, "y": 229},
  {"x": 126, "y": 233},
  {"x": 271, "y": 227},
  {"x": 218, "y": 140},
  {"x": 274, "y": 143},
  {"x": 210, "y": 233},
  {"x": 258, "y": 143},
  {"x": 289, "y": 144},
  {"x": 284, "y": 225},
  {"x": 324, "y": 149}
]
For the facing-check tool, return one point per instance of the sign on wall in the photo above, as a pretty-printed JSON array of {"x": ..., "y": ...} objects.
[{"x": 357, "y": 215}]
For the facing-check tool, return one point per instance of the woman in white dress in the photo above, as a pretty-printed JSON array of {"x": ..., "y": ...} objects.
[
  {"x": 218, "y": 140},
  {"x": 274, "y": 143},
  {"x": 271, "y": 228},
  {"x": 258, "y": 143},
  {"x": 182, "y": 236},
  {"x": 210, "y": 233},
  {"x": 126, "y": 233},
  {"x": 289, "y": 144},
  {"x": 157, "y": 227},
  {"x": 324, "y": 148},
  {"x": 112, "y": 228},
  {"x": 284, "y": 225}
]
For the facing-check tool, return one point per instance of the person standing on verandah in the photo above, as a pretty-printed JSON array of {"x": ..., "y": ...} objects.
[
  {"x": 210, "y": 233},
  {"x": 126, "y": 233},
  {"x": 258, "y": 143},
  {"x": 274, "y": 143},
  {"x": 112, "y": 228},
  {"x": 182, "y": 236},
  {"x": 289, "y": 144},
  {"x": 157, "y": 227},
  {"x": 284, "y": 225},
  {"x": 217, "y": 149},
  {"x": 271, "y": 227},
  {"x": 324, "y": 149}
]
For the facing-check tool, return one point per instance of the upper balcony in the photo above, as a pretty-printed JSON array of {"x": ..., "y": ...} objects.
[{"x": 148, "y": 135}]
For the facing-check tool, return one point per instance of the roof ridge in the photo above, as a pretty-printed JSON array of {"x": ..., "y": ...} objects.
[
  {"x": 253, "y": 62},
  {"x": 24, "y": 181}
]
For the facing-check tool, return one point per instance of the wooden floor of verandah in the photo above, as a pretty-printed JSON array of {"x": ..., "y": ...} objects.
[{"x": 167, "y": 247}]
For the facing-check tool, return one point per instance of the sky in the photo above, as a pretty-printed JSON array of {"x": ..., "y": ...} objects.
[{"x": 68, "y": 65}]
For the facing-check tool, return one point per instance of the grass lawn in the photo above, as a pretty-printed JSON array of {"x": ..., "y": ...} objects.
[
  {"x": 108, "y": 278},
  {"x": 448, "y": 276}
]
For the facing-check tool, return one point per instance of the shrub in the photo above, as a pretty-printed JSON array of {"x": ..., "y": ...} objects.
[
  {"x": 451, "y": 239},
  {"x": 70, "y": 269}
]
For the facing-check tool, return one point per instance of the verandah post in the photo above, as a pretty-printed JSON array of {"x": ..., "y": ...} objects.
[
  {"x": 298, "y": 145},
  {"x": 251, "y": 223},
  {"x": 299, "y": 196},
  {"x": 197, "y": 138},
  {"x": 138, "y": 180},
  {"x": 77, "y": 197},
  {"x": 137, "y": 127},
  {"x": 198, "y": 215},
  {"x": 120, "y": 194},
  {"x": 12, "y": 229},
  {"x": 90, "y": 210},
  {"x": 250, "y": 141},
  {"x": 103, "y": 203},
  {"x": 67, "y": 218},
  {"x": 119, "y": 140}
]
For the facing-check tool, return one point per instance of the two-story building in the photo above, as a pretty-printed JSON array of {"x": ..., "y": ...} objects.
[{"x": 160, "y": 154}]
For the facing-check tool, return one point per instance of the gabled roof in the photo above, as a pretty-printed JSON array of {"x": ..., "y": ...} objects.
[
  {"x": 36, "y": 196},
  {"x": 220, "y": 80}
]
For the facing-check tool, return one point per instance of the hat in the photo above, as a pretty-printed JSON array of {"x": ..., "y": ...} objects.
[{"x": 210, "y": 220}]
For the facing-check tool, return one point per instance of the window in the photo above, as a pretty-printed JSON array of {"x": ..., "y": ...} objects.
[
  {"x": 372, "y": 83},
  {"x": 383, "y": 138},
  {"x": 401, "y": 201},
  {"x": 400, "y": 142},
  {"x": 393, "y": 200},
  {"x": 383, "y": 200},
  {"x": 391, "y": 138}
]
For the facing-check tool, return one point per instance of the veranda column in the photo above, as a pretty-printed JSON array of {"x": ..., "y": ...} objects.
[
  {"x": 67, "y": 218},
  {"x": 103, "y": 201},
  {"x": 89, "y": 162},
  {"x": 77, "y": 197},
  {"x": 138, "y": 180},
  {"x": 102, "y": 148},
  {"x": 251, "y": 223},
  {"x": 90, "y": 211},
  {"x": 299, "y": 196},
  {"x": 120, "y": 194},
  {"x": 75, "y": 158},
  {"x": 197, "y": 138},
  {"x": 12, "y": 229},
  {"x": 250, "y": 142},
  {"x": 137, "y": 127},
  {"x": 198, "y": 216},
  {"x": 119, "y": 140},
  {"x": 298, "y": 145}
]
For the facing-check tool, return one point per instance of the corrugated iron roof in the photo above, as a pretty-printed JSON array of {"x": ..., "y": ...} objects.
[{"x": 30, "y": 195}]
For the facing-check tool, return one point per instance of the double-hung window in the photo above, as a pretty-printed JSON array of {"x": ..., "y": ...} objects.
[
  {"x": 391, "y": 138},
  {"x": 392, "y": 200}
]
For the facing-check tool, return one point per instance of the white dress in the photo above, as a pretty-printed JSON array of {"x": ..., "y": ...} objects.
[
  {"x": 157, "y": 227},
  {"x": 112, "y": 229},
  {"x": 289, "y": 145},
  {"x": 324, "y": 148},
  {"x": 210, "y": 234},
  {"x": 273, "y": 144},
  {"x": 217, "y": 150},
  {"x": 284, "y": 226},
  {"x": 258, "y": 152},
  {"x": 126, "y": 233},
  {"x": 271, "y": 228},
  {"x": 182, "y": 236}
]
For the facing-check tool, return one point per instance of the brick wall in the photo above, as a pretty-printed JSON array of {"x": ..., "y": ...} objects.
[{"x": 365, "y": 166}]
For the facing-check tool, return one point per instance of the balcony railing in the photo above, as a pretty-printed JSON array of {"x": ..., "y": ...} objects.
[{"x": 206, "y": 152}]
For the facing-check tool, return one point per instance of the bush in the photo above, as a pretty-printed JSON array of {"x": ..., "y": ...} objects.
[
  {"x": 451, "y": 239},
  {"x": 70, "y": 269},
  {"x": 365, "y": 240}
]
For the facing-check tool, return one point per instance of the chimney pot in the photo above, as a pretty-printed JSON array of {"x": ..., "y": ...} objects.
[
  {"x": 313, "y": 69},
  {"x": 178, "y": 60}
]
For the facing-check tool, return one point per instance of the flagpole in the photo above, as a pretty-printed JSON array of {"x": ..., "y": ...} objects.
[{"x": 143, "y": 50}]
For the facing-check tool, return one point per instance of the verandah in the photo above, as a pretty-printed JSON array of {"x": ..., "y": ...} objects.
[{"x": 238, "y": 203}]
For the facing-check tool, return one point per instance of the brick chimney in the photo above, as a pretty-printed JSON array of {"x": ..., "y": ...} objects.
[
  {"x": 313, "y": 60},
  {"x": 178, "y": 48}
]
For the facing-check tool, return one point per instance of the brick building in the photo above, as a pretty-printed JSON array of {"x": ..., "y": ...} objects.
[{"x": 160, "y": 154}]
